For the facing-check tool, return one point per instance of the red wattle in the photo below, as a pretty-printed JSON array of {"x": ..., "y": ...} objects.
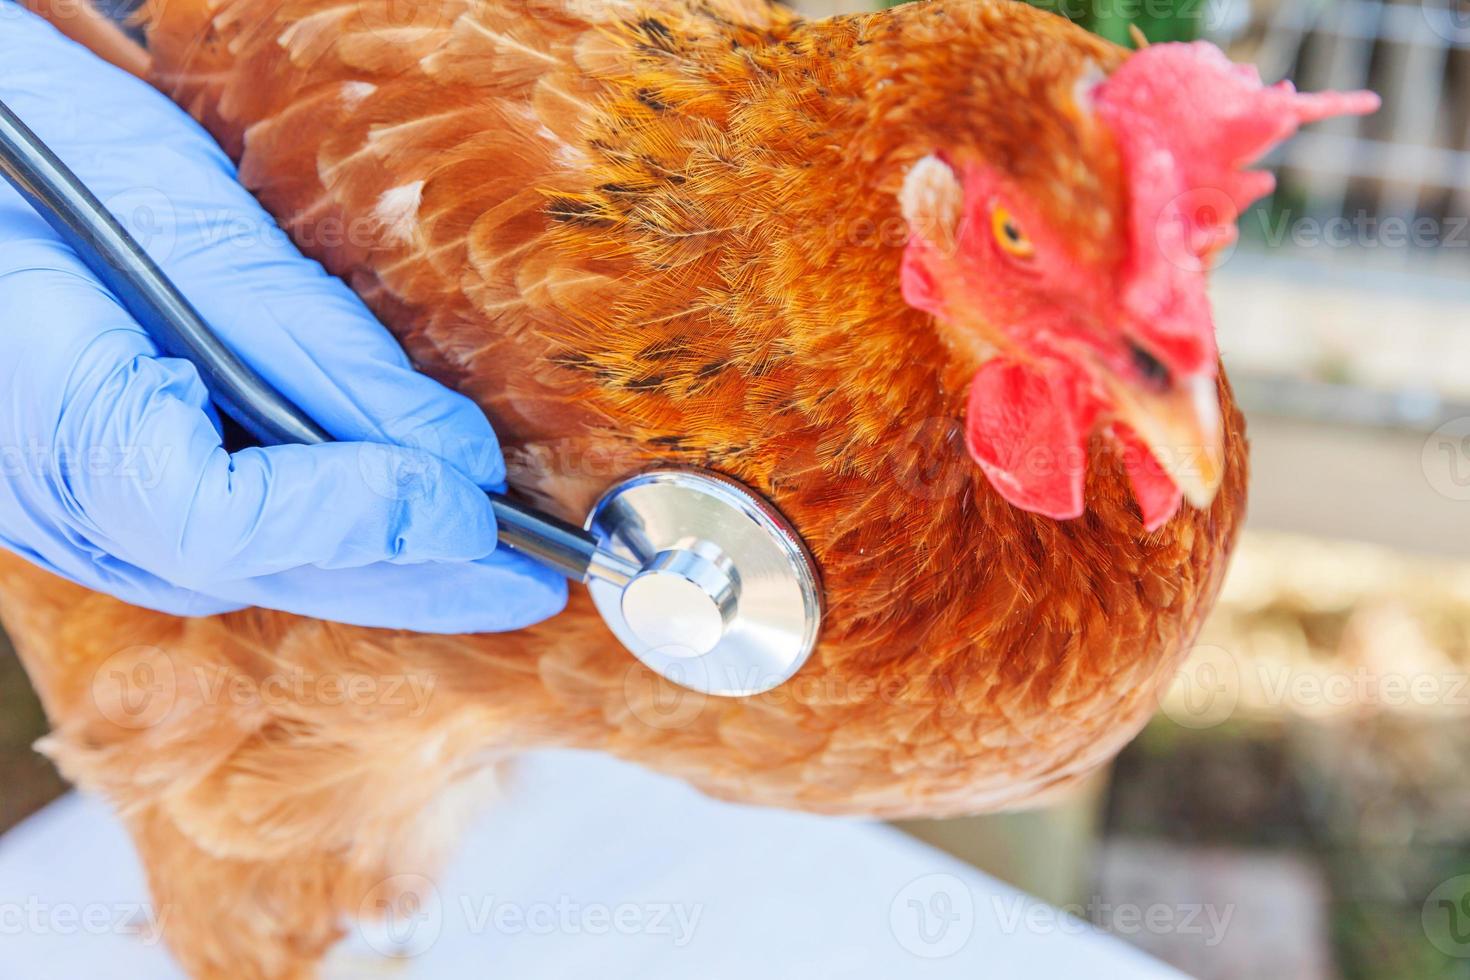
[
  {"x": 1027, "y": 427},
  {"x": 1158, "y": 496}
]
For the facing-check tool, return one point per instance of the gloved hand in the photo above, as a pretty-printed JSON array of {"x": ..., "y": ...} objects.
[{"x": 114, "y": 473}]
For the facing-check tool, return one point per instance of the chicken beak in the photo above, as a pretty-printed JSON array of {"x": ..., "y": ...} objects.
[{"x": 1182, "y": 428}]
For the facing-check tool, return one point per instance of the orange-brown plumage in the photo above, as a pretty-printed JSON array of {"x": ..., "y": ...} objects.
[{"x": 664, "y": 231}]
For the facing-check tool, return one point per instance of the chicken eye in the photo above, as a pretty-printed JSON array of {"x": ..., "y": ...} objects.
[
  {"x": 1008, "y": 234},
  {"x": 1152, "y": 370}
]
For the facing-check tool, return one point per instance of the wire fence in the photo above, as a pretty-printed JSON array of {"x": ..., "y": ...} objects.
[{"x": 1390, "y": 189}]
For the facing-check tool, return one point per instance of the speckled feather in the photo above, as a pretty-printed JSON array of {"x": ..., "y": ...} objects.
[{"x": 666, "y": 232}]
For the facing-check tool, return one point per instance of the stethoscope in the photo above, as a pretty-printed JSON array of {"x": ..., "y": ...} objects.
[{"x": 698, "y": 576}]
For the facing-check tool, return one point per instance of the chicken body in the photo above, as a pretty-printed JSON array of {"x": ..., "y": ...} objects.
[{"x": 666, "y": 232}]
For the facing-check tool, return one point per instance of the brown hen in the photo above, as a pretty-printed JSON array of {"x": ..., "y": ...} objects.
[{"x": 670, "y": 232}]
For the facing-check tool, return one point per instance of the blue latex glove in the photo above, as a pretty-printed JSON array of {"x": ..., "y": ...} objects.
[{"x": 113, "y": 470}]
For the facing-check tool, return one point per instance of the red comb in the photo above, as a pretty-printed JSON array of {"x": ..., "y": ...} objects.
[{"x": 1188, "y": 121}]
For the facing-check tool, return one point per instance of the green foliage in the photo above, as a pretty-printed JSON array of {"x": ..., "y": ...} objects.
[{"x": 1159, "y": 20}]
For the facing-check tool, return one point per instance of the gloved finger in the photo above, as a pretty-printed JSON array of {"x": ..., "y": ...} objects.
[
  {"x": 176, "y": 191},
  {"x": 211, "y": 516},
  {"x": 503, "y": 592}
]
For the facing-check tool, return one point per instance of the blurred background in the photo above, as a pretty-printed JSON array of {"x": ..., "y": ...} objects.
[{"x": 1306, "y": 785}]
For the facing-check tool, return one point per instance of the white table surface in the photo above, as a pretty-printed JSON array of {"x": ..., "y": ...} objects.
[{"x": 594, "y": 868}]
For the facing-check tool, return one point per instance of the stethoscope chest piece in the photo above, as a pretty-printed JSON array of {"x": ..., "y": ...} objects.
[{"x": 727, "y": 602}]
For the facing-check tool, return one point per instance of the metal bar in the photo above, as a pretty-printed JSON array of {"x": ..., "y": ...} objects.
[
  {"x": 1345, "y": 62},
  {"x": 1415, "y": 88},
  {"x": 1359, "y": 157}
]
